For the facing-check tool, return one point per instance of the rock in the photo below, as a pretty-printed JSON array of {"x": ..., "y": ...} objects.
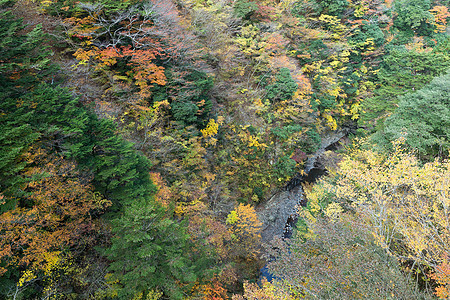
[{"x": 275, "y": 212}]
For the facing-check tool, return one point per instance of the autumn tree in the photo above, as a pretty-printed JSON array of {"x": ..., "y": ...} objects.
[
  {"x": 339, "y": 259},
  {"x": 339, "y": 56},
  {"x": 123, "y": 43},
  {"x": 245, "y": 229},
  {"x": 442, "y": 278},
  {"x": 440, "y": 14},
  {"x": 403, "y": 202},
  {"x": 264, "y": 291},
  {"x": 50, "y": 226}
]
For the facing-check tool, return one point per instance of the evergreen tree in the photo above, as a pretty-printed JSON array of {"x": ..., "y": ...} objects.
[
  {"x": 151, "y": 252},
  {"x": 283, "y": 88},
  {"x": 423, "y": 118},
  {"x": 150, "y": 249},
  {"x": 22, "y": 64},
  {"x": 402, "y": 71}
]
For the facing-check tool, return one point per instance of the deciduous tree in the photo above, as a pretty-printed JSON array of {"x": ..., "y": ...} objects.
[{"x": 50, "y": 225}]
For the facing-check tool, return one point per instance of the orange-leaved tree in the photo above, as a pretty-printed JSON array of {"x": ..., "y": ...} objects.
[
  {"x": 442, "y": 278},
  {"x": 50, "y": 225},
  {"x": 129, "y": 44}
]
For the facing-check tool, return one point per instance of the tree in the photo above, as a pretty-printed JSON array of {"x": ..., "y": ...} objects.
[
  {"x": 23, "y": 63},
  {"x": 403, "y": 71},
  {"x": 283, "y": 88},
  {"x": 442, "y": 278},
  {"x": 264, "y": 291},
  {"x": 423, "y": 118},
  {"x": 245, "y": 230},
  {"x": 413, "y": 15},
  {"x": 440, "y": 14},
  {"x": 130, "y": 45},
  {"x": 23, "y": 58},
  {"x": 403, "y": 202},
  {"x": 16, "y": 139},
  {"x": 338, "y": 260},
  {"x": 51, "y": 225},
  {"x": 244, "y": 8},
  {"x": 40, "y": 228},
  {"x": 333, "y": 7},
  {"x": 150, "y": 252}
]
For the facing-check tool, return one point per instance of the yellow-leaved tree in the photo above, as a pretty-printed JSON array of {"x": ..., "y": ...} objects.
[
  {"x": 404, "y": 202},
  {"x": 245, "y": 229}
]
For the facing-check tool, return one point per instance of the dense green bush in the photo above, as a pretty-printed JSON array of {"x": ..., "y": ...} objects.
[
  {"x": 190, "y": 103},
  {"x": 402, "y": 71},
  {"x": 244, "y": 8},
  {"x": 283, "y": 88},
  {"x": 413, "y": 15},
  {"x": 333, "y": 7},
  {"x": 368, "y": 30}
]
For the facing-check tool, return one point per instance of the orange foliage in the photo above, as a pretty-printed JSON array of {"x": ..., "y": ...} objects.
[
  {"x": 164, "y": 195},
  {"x": 442, "y": 277},
  {"x": 56, "y": 215},
  {"x": 214, "y": 290},
  {"x": 154, "y": 34},
  {"x": 441, "y": 14},
  {"x": 144, "y": 70},
  {"x": 276, "y": 43},
  {"x": 304, "y": 85}
]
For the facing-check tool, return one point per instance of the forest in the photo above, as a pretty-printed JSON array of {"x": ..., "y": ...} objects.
[{"x": 144, "y": 146}]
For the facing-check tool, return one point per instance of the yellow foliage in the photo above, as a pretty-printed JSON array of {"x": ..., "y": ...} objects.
[
  {"x": 398, "y": 196},
  {"x": 53, "y": 260},
  {"x": 361, "y": 11},
  {"x": 266, "y": 290},
  {"x": 27, "y": 276},
  {"x": 250, "y": 41},
  {"x": 334, "y": 24},
  {"x": 46, "y": 3},
  {"x": 333, "y": 211},
  {"x": 253, "y": 142},
  {"x": 151, "y": 295},
  {"x": 330, "y": 121},
  {"x": 210, "y": 131},
  {"x": 245, "y": 228},
  {"x": 354, "y": 110},
  {"x": 83, "y": 56},
  {"x": 314, "y": 197}
]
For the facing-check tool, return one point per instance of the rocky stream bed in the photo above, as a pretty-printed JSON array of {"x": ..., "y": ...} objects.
[{"x": 279, "y": 213}]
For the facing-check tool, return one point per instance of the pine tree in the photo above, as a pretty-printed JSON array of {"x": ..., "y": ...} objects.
[{"x": 149, "y": 251}]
